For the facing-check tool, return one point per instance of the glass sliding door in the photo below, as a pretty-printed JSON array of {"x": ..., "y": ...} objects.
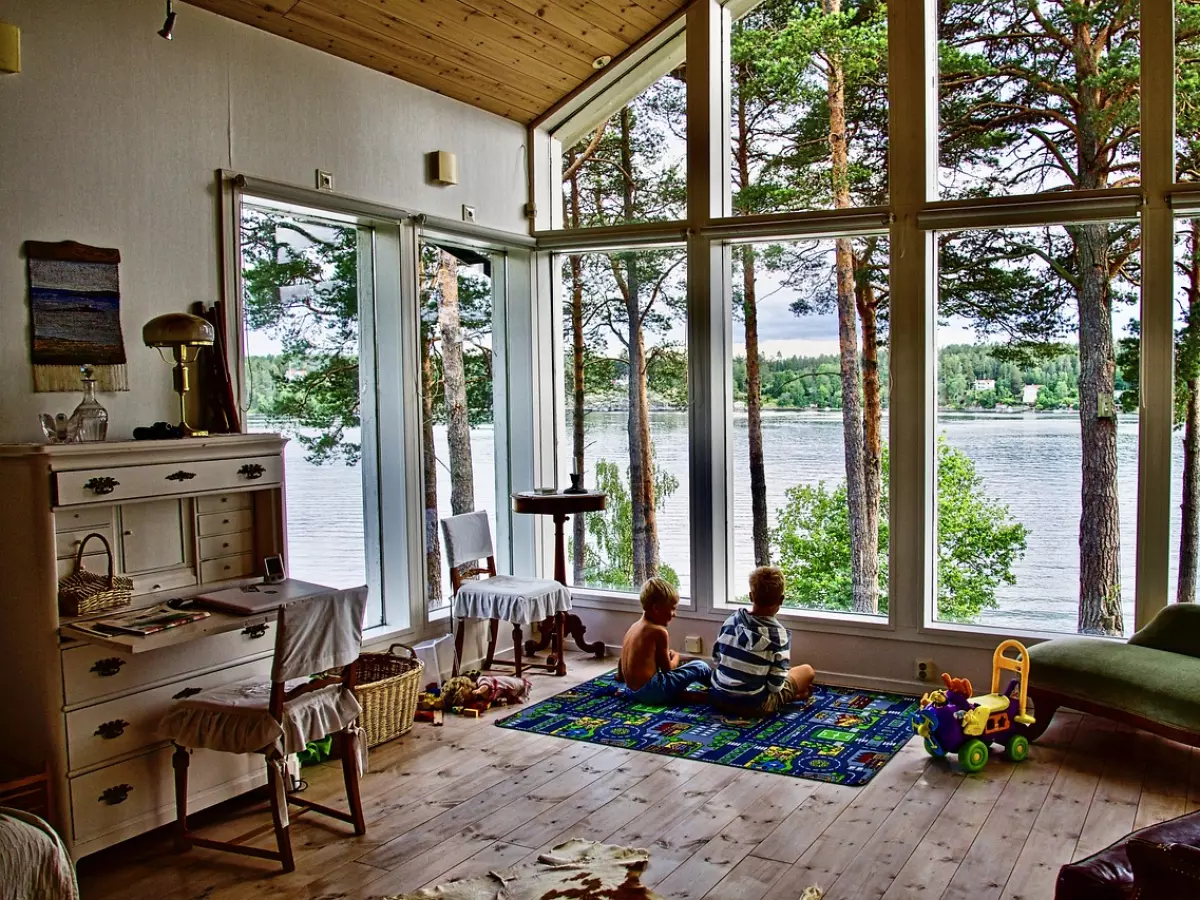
[
  {"x": 308, "y": 297},
  {"x": 458, "y": 287}
]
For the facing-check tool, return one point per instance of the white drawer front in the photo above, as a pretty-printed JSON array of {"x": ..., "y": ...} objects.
[
  {"x": 168, "y": 580},
  {"x": 223, "y": 502},
  {"x": 86, "y": 518},
  {"x": 66, "y": 543},
  {"x": 121, "y": 726},
  {"x": 226, "y": 567},
  {"x": 115, "y": 484},
  {"x": 90, "y": 672},
  {"x": 220, "y": 545},
  {"x": 225, "y": 522},
  {"x": 104, "y": 800}
]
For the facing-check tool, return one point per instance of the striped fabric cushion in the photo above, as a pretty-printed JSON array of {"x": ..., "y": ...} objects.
[{"x": 752, "y": 656}]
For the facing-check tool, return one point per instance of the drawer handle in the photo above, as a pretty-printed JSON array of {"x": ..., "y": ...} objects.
[
  {"x": 254, "y": 631},
  {"x": 181, "y": 475},
  {"x": 252, "y": 471},
  {"x": 118, "y": 793},
  {"x": 187, "y": 692},
  {"x": 111, "y": 730},
  {"x": 107, "y": 667},
  {"x": 103, "y": 485}
]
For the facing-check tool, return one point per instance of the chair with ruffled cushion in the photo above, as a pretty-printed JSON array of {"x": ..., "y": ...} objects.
[
  {"x": 515, "y": 599},
  {"x": 315, "y": 635}
]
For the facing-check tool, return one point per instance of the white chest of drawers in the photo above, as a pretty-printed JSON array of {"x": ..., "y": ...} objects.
[{"x": 182, "y": 517}]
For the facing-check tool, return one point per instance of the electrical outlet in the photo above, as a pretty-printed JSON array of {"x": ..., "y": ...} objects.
[
  {"x": 925, "y": 670},
  {"x": 468, "y": 213},
  {"x": 693, "y": 644},
  {"x": 324, "y": 180}
]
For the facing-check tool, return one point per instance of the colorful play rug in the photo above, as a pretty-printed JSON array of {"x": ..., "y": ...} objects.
[{"x": 840, "y": 734}]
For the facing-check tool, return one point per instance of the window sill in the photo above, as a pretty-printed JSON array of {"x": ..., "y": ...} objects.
[{"x": 983, "y": 636}]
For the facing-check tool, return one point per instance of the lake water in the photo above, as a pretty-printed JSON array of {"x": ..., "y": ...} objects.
[{"x": 1028, "y": 461}]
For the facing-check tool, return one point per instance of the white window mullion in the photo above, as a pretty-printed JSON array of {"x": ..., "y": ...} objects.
[
  {"x": 708, "y": 300},
  {"x": 1157, "y": 376},
  {"x": 912, "y": 160}
]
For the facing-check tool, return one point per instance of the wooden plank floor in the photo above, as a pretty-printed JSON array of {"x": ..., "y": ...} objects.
[{"x": 461, "y": 800}]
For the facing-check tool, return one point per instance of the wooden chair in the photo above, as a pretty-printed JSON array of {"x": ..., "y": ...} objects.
[
  {"x": 314, "y": 635},
  {"x": 518, "y": 600}
]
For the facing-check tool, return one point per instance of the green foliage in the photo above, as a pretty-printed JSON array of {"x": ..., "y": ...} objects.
[
  {"x": 608, "y": 554},
  {"x": 978, "y": 543},
  {"x": 300, "y": 280}
]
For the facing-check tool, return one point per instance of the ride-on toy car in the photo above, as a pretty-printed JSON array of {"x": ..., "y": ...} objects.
[{"x": 953, "y": 721}]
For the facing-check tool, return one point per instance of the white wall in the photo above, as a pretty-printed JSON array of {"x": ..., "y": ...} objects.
[{"x": 111, "y": 136}]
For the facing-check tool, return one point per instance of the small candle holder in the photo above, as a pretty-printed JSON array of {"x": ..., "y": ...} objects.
[{"x": 576, "y": 484}]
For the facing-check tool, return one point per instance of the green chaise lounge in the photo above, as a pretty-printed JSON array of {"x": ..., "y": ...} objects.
[{"x": 1151, "y": 682}]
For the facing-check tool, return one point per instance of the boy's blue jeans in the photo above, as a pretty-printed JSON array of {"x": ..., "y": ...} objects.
[{"x": 665, "y": 687}]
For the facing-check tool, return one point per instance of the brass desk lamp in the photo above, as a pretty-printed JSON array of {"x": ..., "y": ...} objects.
[{"x": 185, "y": 334}]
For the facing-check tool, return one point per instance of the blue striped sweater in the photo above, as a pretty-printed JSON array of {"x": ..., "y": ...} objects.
[{"x": 751, "y": 656}]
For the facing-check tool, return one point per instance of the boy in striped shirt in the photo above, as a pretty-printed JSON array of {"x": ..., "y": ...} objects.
[{"x": 752, "y": 670}]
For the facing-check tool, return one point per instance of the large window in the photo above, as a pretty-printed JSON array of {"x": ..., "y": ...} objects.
[
  {"x": 308, "y": 292},
  {"x": 810, "y": 393},
  {"x": 1038, "y": 96},
  {"x": 631, "y": 166},
  {"x": 457, "y": 408},
  {"x": 626, "y": 389},
  {"x": 1185, "y": 447},
  {"x": 808, "y": 106},
  {"x": 1036, "y": 461}
]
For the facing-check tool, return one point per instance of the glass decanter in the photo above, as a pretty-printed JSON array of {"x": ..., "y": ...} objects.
[{"x": 89, "y": 422}]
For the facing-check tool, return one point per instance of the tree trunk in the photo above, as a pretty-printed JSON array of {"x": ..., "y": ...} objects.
[
  {"x": 1100, "y": 523},
  {"x": 868, "y": 311},
  {"x": 458, "y": 430},
  {"x": 864, "y": 557},
  {"x": 758, "y": 476},
  {"x": 1189, "y": 530},
  {"x": 433, "y": 546},
  {"x": 641, "y": 463}
]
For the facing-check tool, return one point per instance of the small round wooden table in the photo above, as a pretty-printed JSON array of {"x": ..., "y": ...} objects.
[{"x": 560, "y": 505}]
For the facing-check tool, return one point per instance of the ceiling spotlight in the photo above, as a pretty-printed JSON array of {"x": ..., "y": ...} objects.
[
  {"x": 601, "y": 61},
  {"x": 169, "y": 24}
]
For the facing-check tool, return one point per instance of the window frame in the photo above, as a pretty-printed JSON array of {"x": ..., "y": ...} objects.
[
  {"x": 912, "y": 218},
  {"x": 399, "y": 539}
]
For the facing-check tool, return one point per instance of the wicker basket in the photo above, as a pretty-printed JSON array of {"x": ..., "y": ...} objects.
[
  {"x": 387, "y": 688},
  {"x": 82, "y": 592}
]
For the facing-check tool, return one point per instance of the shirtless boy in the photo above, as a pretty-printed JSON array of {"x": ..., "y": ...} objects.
[{"x": 649, "y": 667}]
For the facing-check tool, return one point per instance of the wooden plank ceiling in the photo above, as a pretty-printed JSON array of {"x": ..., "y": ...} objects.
[{"x": 515, "y": 58}]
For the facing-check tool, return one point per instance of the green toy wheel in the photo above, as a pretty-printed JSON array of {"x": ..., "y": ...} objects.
[
  {"x": 1017, "y": 747},
  {"x": 973, "y": 755}
]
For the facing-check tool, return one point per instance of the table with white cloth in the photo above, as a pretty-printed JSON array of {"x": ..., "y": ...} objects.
[
  {"x": 519, "y": 601},
  {"x": 560, "y": 505}
]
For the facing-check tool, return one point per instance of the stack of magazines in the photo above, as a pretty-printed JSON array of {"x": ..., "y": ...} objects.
[{"x": 142, "y": 621}]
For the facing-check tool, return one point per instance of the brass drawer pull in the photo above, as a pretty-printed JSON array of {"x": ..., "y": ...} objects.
[
  {"x": 108, "y": 667},
  {"x": 252, "y": 471},
  {"x": 181, "y": 475},
  {"x": 118, "y": 793},
  {"x": 187, "y": 692},
  {"x": 111, "y": 730},
  {"x": 103, "y": 485},
  {"x": 254, "y": 631}
]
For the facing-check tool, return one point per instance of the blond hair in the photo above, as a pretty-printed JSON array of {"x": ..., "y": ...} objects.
[
  {"x": 657, "y": 591},
  {"x": 767, "y": 586}
]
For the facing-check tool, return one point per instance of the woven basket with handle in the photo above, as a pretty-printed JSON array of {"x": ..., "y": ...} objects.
[
  {"x": 82, "y": 592},
  {"x": 387, "y": 688}
]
